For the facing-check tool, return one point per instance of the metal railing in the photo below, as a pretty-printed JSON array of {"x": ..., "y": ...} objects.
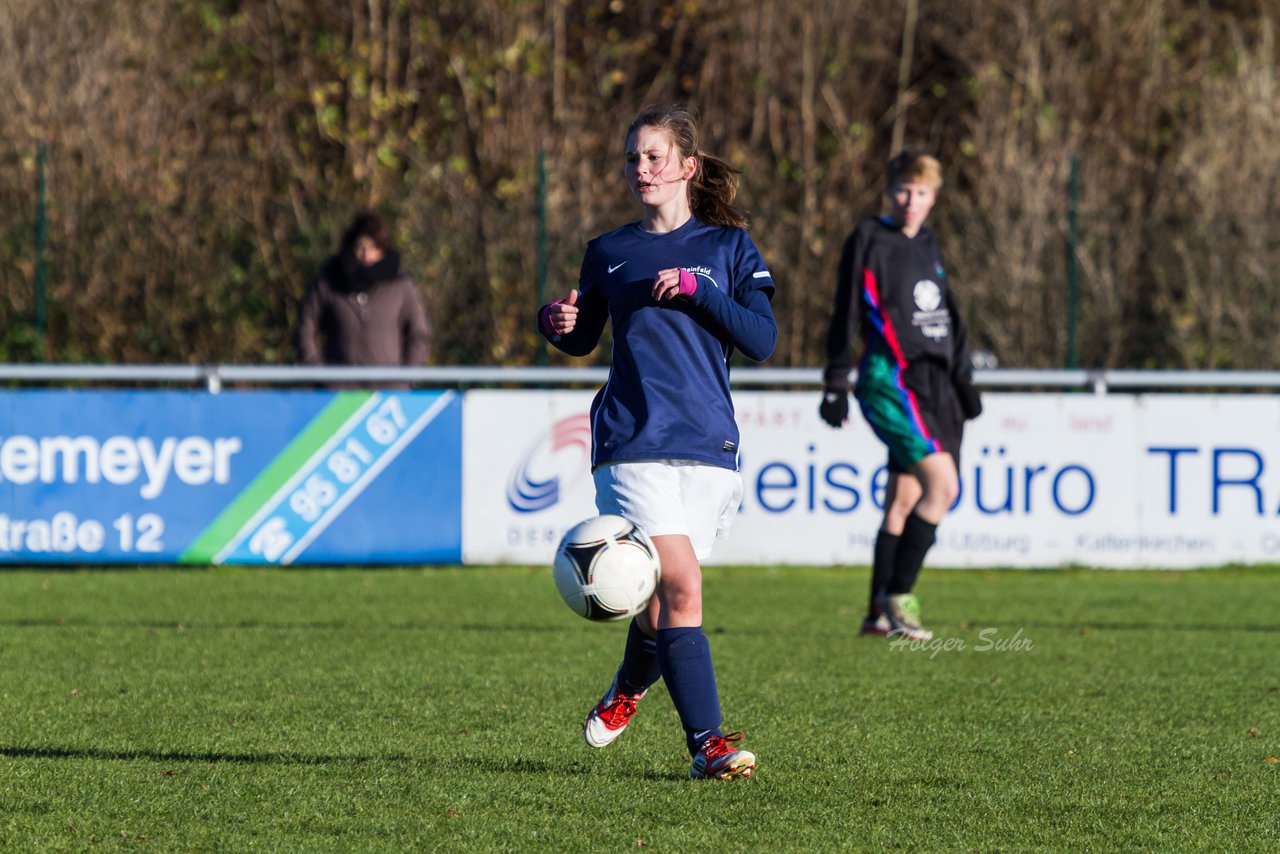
[{"x": 216, "y": 377}]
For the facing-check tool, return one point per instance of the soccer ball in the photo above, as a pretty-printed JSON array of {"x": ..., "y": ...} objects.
[{"x": 606, "y": 569}]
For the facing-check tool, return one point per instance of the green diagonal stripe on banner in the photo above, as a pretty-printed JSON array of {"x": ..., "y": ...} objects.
[{"x": 275, "y": 475}]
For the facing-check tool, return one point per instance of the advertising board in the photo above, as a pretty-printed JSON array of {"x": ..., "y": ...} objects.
[
  {"x": 368, "y": 477},
  {"x": 252, "y": 477},
  {"x": 1046, "y": 480}
]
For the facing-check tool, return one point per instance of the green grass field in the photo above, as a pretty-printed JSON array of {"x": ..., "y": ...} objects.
[{"x": 440, "y": 709}]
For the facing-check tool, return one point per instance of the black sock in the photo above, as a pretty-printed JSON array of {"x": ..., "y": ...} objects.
[
  {"x": 882, "y": 567},
  {"x": 917, "y": 536}
]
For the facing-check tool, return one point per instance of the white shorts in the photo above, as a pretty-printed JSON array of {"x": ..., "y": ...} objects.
[{"x": 672, "y": 497}]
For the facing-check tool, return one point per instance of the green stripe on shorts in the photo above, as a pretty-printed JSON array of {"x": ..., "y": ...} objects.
[{"x": 882, "y": 398}]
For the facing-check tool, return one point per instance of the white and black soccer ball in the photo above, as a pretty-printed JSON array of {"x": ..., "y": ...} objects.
[{"x": 606, "y": 568}]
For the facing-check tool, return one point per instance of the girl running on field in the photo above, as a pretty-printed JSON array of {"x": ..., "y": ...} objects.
[{"x": 684, "y": 288}]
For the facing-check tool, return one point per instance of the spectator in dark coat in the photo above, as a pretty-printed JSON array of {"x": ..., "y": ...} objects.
[{"x": 361, "y": 308}]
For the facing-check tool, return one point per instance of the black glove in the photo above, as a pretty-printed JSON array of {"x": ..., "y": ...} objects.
[
  {"x": 834, "y": 408},
  {"x": 970, "y": 400}
]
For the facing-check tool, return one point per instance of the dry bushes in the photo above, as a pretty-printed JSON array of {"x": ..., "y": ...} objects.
[{"x": 201, "y": 163}]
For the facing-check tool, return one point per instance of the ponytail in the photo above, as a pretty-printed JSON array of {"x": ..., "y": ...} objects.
[{"x": 712, "y": 190}]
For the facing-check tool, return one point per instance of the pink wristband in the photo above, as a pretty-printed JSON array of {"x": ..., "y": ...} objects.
[
  {"x": 688, "y": 283},
  {"x": 544, "y": 319}
]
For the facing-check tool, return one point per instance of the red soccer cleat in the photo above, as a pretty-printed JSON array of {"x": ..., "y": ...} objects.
[
  {"x": 719, "y": 759},
  {"x": 610, "y": 716}
]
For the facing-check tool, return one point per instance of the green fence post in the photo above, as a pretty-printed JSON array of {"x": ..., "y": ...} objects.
[
  {"x": 1073, "y": 241},
  {"x": 542, "y": 244},
  {"x": 42, "y": 239}
]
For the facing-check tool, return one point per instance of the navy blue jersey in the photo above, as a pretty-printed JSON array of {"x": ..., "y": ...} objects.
[{"x": 667, "y": 396}]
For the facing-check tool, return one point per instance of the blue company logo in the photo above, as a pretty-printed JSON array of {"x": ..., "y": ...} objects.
[
  {"x": 564, "y": 454},
  {"x": 993, "y": 485}
]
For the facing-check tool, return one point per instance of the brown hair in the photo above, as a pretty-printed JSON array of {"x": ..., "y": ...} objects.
[
  {"x": 912, "y": 164},
  {"x": 366, "y": 224},
  {"x": 714, "y": 184}
]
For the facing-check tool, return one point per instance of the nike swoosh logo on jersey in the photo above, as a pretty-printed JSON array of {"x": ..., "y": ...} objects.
[{"x": 612, "y": 267}]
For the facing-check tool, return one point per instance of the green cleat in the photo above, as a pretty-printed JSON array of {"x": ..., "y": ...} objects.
[{"x": 903, "y": 614}]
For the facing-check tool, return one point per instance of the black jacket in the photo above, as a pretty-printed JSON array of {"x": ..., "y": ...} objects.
[{"x": 892, "y": 292}]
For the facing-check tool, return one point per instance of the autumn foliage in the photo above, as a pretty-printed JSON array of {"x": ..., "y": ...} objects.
[{"x": 203, "y": 156}]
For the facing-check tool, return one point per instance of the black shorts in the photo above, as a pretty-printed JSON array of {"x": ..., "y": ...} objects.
[{"x": 915, "y": 412}]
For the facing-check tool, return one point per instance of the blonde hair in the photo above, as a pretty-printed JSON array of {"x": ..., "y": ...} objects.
[
  {"x": 715, "y": 183},
  {"x": 914, "y": 165}
]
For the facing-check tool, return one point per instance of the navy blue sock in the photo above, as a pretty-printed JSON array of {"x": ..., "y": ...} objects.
[
  {"x": 685, "y": 657},
  {"x": 639, "y": 667}
]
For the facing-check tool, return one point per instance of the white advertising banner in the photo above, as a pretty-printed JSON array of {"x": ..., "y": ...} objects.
[{"x": 1169, "y": 481}]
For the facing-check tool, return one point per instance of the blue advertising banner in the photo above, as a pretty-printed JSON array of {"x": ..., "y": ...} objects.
[{"x": 246, "y": 477}]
